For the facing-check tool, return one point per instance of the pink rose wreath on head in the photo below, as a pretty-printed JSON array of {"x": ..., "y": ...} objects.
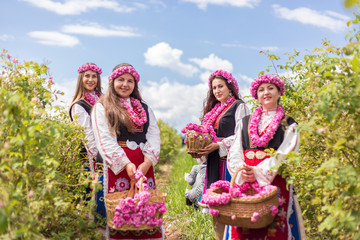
[{"x": 228, "y": 76}]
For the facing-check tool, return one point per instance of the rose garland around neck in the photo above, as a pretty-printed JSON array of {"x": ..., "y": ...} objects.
[
  {"x": 92, "y": 97},
  {"x": 138, "y": 117},
  {"x": 210, "y": 117},
  {"x": 270, "y": 130}
]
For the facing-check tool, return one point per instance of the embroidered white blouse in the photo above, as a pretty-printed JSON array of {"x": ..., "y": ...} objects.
[
  {"x": 263, "y": 175},
  {"x": 112, "y": 154},
  {"x": 225, "y": 144}
]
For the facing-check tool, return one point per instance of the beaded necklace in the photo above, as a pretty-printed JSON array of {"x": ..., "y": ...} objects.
[{"x": 138, "y": 117}]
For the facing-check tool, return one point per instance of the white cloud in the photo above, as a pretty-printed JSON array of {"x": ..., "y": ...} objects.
[
  {"x": 163, "y": 55},
  {"x": 244, "y": 78},
  {"x": 213, "y": 63},
  {"x": 178, "y": 104},
  {"x": 270, "y": 48},
  {"x": 175, "y": 103},
  {"x": 5, "y": 37},
  {"x": 97, "y": 30},
  {"x": 54, "y": 38},
  {"x": 67, "y": 87},
  {"x": 330, "y": 20},
  {"x": 76, "y": 7},
  {"x": 337, "y": 15},
  {"x": 202, "y": 4}
]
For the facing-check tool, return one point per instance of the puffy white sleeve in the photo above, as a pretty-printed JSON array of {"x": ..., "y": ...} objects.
[
  {"x": 224, "y": 146},
  {"x": 83, "y": 120},
  {"x": 112, "y": 154},
  {"x": 152, "y": 146},
  {"x": 266, "y": 171},
  {"x": 235, "y": 158}
]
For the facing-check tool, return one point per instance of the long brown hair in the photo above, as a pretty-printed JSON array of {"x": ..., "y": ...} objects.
[
  {"x": 114, "y": 111},
  {"x": 80, "y": 90},
  {"x": 211, "y": 100}
]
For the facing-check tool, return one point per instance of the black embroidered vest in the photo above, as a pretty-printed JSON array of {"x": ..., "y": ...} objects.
[
  {"x": 84, "y": 104},
  {"x": 225, "y": 128},
  {"x": 139, "y": 136}
]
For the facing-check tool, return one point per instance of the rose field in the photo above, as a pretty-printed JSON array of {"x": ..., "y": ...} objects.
[{"x": 43, "y": 183}]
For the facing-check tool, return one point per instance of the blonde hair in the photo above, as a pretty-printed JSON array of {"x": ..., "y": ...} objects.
[
  {"x": 80, "y": 90},
  {"x": 115, "y": 113}
]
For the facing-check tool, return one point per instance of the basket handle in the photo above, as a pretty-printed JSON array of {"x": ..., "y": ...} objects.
[
  {"x": 236, "y": 173},
  {"x": 133, "y": 190}
]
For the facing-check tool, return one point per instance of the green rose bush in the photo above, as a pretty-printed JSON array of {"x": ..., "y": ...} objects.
[
  {"x": 323, "y": 96},
  {"x": 42, "y": 179}
]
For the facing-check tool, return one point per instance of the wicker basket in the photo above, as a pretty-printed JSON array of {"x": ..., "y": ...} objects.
[
  {"x": 243, "y": 208},
  {"x": 113, "y": 199},
  {"x": 196, "y": 141}
]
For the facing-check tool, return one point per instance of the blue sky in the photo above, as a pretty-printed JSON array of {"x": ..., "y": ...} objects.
[{"x": 174, "y": 44}]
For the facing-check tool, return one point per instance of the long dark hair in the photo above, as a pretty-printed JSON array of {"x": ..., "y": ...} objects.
[
  {"x": 114, "y": 111},
  {"x": 211, "y": 100}
]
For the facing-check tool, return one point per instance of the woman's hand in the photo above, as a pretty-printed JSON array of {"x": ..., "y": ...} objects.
[
  {"x": 208, "y": 149},
  {"x": 248, "y": 174},
  {"x": 130, "y": 170},
  {"x": 145, "y": 166}
]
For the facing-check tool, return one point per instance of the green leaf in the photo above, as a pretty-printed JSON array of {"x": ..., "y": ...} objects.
[{"x": 3, "y": 220}]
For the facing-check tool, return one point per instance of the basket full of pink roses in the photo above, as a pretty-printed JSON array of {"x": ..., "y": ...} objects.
[
  {"x": 247, "y": 206},
  {"x": 198, "y": 137},
  {"x": 134, "y": 209}
]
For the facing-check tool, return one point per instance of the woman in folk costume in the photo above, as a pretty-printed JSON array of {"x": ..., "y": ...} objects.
[
  {"x": 268, "y": 127},
  {"x": 223, "y": 109},
  {"x": 87, "y": 93},
  {"x": 128, "y": 139}
]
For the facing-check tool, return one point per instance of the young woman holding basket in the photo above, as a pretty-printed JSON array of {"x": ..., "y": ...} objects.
[{"x": 267, "y": 128}]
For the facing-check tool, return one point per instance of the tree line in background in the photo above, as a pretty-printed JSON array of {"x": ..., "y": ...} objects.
[{"x": 43, "y": 185}]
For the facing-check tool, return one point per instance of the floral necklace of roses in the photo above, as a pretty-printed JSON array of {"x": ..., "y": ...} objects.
[
  {"x": 210, "y": 117},
  {"x": 270, "y": 130},
  {"x": 139, "y": 117},
  {"x": 92, "y": 98}
]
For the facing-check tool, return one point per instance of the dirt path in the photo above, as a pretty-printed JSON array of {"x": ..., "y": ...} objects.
[{"x": 162, "y": 180}]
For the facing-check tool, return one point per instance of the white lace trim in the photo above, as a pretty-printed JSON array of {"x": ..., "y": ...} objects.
[{"x": 265, "y": 119}]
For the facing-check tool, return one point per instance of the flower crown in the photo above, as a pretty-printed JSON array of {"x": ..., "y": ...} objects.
[
  {"x": 122, "y": 70},
  {"x": 230, "y": 79},
  {"x": 91, "y": 67},
  {"x": 266, "y": 79}
]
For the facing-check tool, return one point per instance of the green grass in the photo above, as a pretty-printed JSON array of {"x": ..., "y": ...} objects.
[{"x": 183, "y": 219}]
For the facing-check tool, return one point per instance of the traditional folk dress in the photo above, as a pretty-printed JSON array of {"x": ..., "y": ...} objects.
[
  {"x": 288, "y": 223},
  {"x": 82, "y": 109},
  {"x": 225, "y": 127},
  {"x": 118, "y": 151}
]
